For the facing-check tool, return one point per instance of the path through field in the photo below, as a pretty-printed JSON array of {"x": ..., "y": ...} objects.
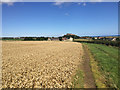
[
  {"x": 39, "y": 64},
  {"x": 89, "y": 81}
]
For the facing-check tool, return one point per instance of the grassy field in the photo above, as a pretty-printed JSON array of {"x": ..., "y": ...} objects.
[
  {"x": 82, "y": 40},
  {"x": 106, "y": 59},
  {"x": 11, "y": 39}
]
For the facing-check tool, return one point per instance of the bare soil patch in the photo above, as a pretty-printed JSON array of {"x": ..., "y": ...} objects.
[{"x": 89, "y": 81}]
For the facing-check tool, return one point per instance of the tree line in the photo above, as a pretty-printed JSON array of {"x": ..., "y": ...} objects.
[{"x": 105, "y": 42}]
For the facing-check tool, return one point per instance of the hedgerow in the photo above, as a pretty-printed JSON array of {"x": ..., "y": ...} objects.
[{"x": 112, "y": 43}]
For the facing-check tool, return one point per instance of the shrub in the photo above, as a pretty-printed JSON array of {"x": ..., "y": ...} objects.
[
  {"x": 112, "y": 43},
  {"x": 28, "y": 39}
]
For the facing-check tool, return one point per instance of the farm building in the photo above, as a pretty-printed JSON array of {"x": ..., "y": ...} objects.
[
  {"x": 114, "y": 39},
  {"x": 64, "y": 38},
  {"x": 54, "y": 39},
  {"x": 67, "y": 39},
  {"x": 49, "y": 39},
  {"x": 70, "y": 39}
]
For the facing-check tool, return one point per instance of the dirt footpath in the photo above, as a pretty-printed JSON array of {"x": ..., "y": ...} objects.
[{"x": 39, "y": 64}]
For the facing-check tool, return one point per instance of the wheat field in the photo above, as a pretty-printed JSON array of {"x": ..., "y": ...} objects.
[{"x": 40, "y": 64}]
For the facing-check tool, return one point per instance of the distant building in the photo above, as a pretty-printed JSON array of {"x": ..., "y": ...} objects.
[
  {"x": 95, "y": 38},
  {"x": 67, "y": 39},
  {"x": 49, "y": 39},
  {"x": 114, "y": 39},
  {"x": 100, "y": 37},
  {"x": 71, "y": 39},
  {"x": 70, "y": 34},
  {"x": 64, "y": 38},
  {"x": 54, "y": 39}
]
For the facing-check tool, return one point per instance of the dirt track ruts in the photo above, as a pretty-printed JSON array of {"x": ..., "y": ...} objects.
[
  {"x": 89, "y": 81},
  {"x": 39, "y": 64}
]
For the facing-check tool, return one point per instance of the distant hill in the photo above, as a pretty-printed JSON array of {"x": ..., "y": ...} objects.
[{"x": 68, "y": 35}]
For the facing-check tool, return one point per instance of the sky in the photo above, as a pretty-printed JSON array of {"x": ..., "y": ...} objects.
[{"x": 58, "y": 18}]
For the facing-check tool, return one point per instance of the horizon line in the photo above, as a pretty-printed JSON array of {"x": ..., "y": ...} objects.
[{"x": 65, "y": 34}]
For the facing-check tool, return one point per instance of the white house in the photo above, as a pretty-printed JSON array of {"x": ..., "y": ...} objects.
[{"x": 71, "y": 39}]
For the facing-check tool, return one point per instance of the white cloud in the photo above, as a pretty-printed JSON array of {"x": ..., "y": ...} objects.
[
  {"x": 84, "y": 4},
  {"x": 96, "y": 0},
  {"x": 5, "y": 0},
  {"x": 58, "y": 3},
  {"x": 9, "y": 2},
  {"x": 79, "y": 3},
  {"x": 61, "y": 3},
  {"x": 86, "y": 0},
  {"x": 67, "y": 14}
]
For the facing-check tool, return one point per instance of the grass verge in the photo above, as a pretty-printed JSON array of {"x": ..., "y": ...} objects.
[
  {"x": 78, "y": 79},
  {"x": 104, "y": 64}
]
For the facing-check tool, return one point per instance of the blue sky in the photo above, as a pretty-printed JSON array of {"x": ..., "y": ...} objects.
[{"x": 57, "y": 19}]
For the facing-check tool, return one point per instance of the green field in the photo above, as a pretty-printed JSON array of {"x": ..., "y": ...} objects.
[
  {"x": 83, "y": 40},
  {"x": 106, "y": 58},
  {"x": 12, "y": 39}
]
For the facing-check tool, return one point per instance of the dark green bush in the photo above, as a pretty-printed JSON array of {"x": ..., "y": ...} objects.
[
  {"x": 35, "y": 38},
  {"x": 112, "y": 43},
  {"x": 41, "y": 38},
  {"x": 60, "y": 38},
  {"x": 28, "y": 39}
]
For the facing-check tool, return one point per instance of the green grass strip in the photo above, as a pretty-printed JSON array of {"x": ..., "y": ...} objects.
[
  {"x": 106, "y": 58},
  {"x": 78, "y": 79}
]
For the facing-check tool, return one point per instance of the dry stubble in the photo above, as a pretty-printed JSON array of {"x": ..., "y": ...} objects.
[{"x": 39, "y": 64}]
